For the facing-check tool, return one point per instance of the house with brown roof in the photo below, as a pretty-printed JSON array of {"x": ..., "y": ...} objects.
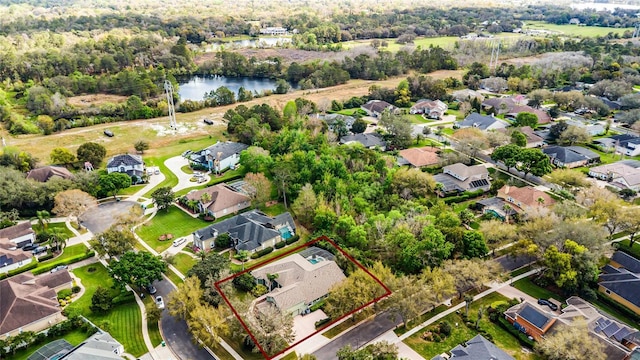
[
  {"x": 219, "y": 200},
  {"x": 11, "y": 257},
  {"x": 20, "y": 234},
  {"x": 460, "y": 177},
  {"x": 301, "y": 280},
  {"x": 433, "y": 109},
  {"x": 530, "y": 319},
  {"x": 29, "y": 303},
  {"x": 543, "y": 116},
  {"x": 419, "y": 157},
  {"x": 45, "y": 173},
  {"x": 525, "y": 199},
  {"x": 376, "y": 107},
  {"x": 533, "y": 139}
]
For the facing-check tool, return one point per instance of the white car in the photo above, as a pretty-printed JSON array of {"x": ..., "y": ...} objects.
[
  {"x": 159, "y": 302},
  {"x": 179, "y": 242}
]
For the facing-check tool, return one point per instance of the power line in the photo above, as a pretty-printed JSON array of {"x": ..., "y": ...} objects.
[{"x": 168, "y": 87}]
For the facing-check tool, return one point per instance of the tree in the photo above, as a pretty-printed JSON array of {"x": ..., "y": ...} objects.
[
  {"x": 610, "y": 213},
  {"x": 468, "y": 299},
  {"x": 141, "y": 146},
  {"x": 101, "y": 300},
  {"x": 534, "y": 161},
  {"x": 113, "y": 242},
  {"x": 354, "y": 292},
  {"x": 471, "y": 274},
  {"x": 569, "y": 178},
  {"x": 258, "y": 187},
  {"x": 519, "y": 138},
  {"x": 114, "y": 182},
  {"x": 557, "y": 129},
  {"x": 359, "y": 126},
  {"x": 73, "y": 203},
  {"x": 412, "y": 183},
  {"x": 207, "y": 323},
  {"x": 474, "y": 245},
  {"x": 526, "y": 119},
  {"x": 43, "y": 217},
  {"x": 255, "y": 159},
  {"x": 272, "y": 328},
  {"x": 185, "y": 297},
  {"x": 631, "y": 223},
  {"x": 91, "y": 152},
  {"x": 305, "y": 204},
  {"x": 470, "y": 141},
  {"x": 574, "y": 135},
  {"x": 571, "y": 342},
  {"x": 382, "y": 350},
  {"x": 243, "y": 256},
  {"x": 137, "y": 268},
  {"x": 62, "y": 156},
  {"x": 163, "y": 197},
  {"x": 398, "y": 128},
  {"x": 507, "y": 154},
  {"x": 410, "y": 298},
  {"x": 211, "y": 266},
  {"x": 153, "y": 312}
]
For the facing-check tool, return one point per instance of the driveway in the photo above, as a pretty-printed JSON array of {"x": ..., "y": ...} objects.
[
  {"x": 360, "y": 335},
  {"x": 513, "y": 293},
  {"x": 304, "y": 326},
  {"x": 175, "y": 331},
  {"x": 174, "y": 165},
  {"x": 154, "y": 180},
  {"x": 100, "y": 218}
]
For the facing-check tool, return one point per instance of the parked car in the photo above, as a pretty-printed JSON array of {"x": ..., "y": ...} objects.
[
  {"x": 58, "y": 268},
  {"x": 156, "y": 171},
  {"x": 109, "y": 133},
  {"x": 179, "y": 242},
  {"x": 39, "y": 249},
  {"x": 208, "y": 121},
  {"x": 160, "y": 302},
  {"x": 29, "y": 247},
  {"x": 551, "y": 305},
  {"x": 186, "y": 153},
  {"x": 151, "y": 289}
]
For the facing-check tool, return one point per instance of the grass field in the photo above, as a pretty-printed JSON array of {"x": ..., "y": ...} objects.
[
  {"x": 527, "y": 286},
  {"x": 175, "y": 279},
  {"x": 184, "y": 263},
  {"x": 60, "y": 226},
  {"x": 574, "y": 30},
  {"x": 68, "y": 252},
  {"x": 174, "y": 221},
  {"x": 462, "y": 333},
  {"x": 131, "y": 189},
  {"x": 74, "y": 338},
  {"x": 124, "y": 322},
  {"x": 154, "y": 330}
]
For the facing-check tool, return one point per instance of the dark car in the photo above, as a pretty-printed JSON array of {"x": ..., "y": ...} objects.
[
  {"x": 551, "y": 305},
  {"x": 208, "y": 121},
  {"x": 151, "y": 289},
  {"x": 109, "y": 133},
  {"x": 30, "y": 247}
]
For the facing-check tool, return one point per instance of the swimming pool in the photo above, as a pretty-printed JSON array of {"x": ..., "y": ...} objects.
[{"x": 285, "y": 233}]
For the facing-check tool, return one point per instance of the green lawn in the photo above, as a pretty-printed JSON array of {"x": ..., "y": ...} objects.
[
  {"x": 226, "y": 176},
  {"x": 417, "y": 119},
  {"x": 184, "y": 263},
  {"x": 574, "y": 30},
  {"x": 187, "y": 169},
  {"x": 448, "y": 131},
  {"x": 174, "y": 221},
  {"x": 422, "y": 318},
  {"x": 274, "y": 210},
  {"x": 59, "y": 226},
  {"x": 131, "y": 189},
  {"x": 527, "y": 286},
  {"x": 154, "y": 331},
  {"x": 175, "y": 279},
  {"x": 462, "y": 333},
  {"x": 67, "y": 253},
  {"x": 74, "y": 338},
  {"x": 456, "y": 113},
  {"x": 124, "y": 322}
]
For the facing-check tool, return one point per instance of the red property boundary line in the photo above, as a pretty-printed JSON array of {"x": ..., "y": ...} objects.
[{"x": 321, "y": 238}]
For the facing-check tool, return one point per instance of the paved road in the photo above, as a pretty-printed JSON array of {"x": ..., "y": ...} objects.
[
  {"x": 175, "y": 331},
  {"x": 510, "y": 263},
  {"x": 100, "y": 218},
  {"x": 359, "y": 336}
]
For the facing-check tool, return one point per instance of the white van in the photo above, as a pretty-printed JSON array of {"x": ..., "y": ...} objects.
[{"x": 179, "y": 242}]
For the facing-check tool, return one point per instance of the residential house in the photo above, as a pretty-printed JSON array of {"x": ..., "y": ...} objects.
[
  {"x": 219, "y": 200},
  {"x": 12, "y": 257},
  {"x": 29, "y": 303},
  {"x": 20, "y": 235},
  {"x": 533, "y": 139},
  {"x": 574, "y": 21},
  {"x": 100, "y": 346},
  {"x": 621, "y": 174},
  {"x": 626, "y": 144},
  {"x": 543, "y": 116},
  {"x": 620, "y": 281},
  {"x": 501, "y": 105},
  {"x": 433, "y": 109},
  {"x": 332, "y": 119},
  {"x": 44, "y": 173},
  {"x": 460, "y": 177},
  {"x": 484, "y": 123},
  {"x": 129, "y": 164},
  {"x": 376, "y": 107},
  {"x": 274, "y": 31},
  {"x": 301, "y": 280},
  {"x": 530, "y": 319},
  {"x": 592, "y": 129},
  {"x": 571, "y": 156},
  {"x": 478, "y": 348},
  {"x": 251, "y": 231},
  {"x": 467, "y": 95},
  {"x": 218, "y": 157},
  {"x": 512, "y": 200},
  {"x": 613, "y": 105},
  {"x": 419, "y": 157},
  {"x": 368, "y": 140}
]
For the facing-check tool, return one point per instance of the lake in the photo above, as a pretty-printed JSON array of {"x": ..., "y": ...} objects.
[
  {"x": 261, "y": 42},
  {"x": 197, "y": 86}
]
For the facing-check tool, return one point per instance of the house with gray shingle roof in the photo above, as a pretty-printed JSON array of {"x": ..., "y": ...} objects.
[
  {"x": 20, "y": 235},
  {"x": 621, "y": 281},
  {"x": 460, "y": 177},
  {"x": 129, "y": 164},
  {"x": 251, "y": 231},
  {"x": 300, "y": 281},
  {"x": 368, "y": 140},
  {"x": 478, "y": 348},
  {"x": 376, "y": 107},
  {"x": 482, "y": 122},
  {"x": 570, "y": 156},
  {"x": 219, "y": 156}
]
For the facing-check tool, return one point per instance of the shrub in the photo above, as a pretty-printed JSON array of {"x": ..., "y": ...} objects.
[
  {"x": 292, "y": 239},
  {"x": 259, "y": 290},
  {"x": 45, "y": 257},
  {"x": 71, "y": 260},
  {"x": 316, "y": 306},
  {"x": 64, "y": 293},
  {"x": 101, "y": 301},
  {"x": 280, "y": 244},
  {"x": 445, "y": 328},
  {"x": 436, "y": 338},
  {"x": 319, "y": 323},
  {"x": 75, "y": 289},
  {"x": 244, "y": 282},
  {"x": 262, "y": 252},
  {"x": 30, "y": 266}
]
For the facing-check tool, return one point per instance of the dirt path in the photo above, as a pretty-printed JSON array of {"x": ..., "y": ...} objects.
[{"x": 127, "y": 132}]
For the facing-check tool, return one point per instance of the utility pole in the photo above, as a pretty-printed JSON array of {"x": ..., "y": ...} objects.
[
  {"x": 495, "y": 54},
  {"x": 168, "y": 88}
]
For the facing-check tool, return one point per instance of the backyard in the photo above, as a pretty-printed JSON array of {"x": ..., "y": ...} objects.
[
  {"x": 460, "y": 333},
  {"x": 184, "y": 262},
  {"x": 172, "y": 221},
  {"x": 123, "y": 322},
  {"x": 74, "y": 338}
]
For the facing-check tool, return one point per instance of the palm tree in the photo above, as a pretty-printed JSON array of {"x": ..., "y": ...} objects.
[
  {"x": 43, "y": 220},
  {"x": 205, "y": 198},
  {"x": 540, "y": 201},
  {"x": 507, "y": 209},
  {"x": 58, "y": 239},
  {"x": 468, "y": 299},
  {"x": 193, "y": 205},
  {"x": 271, "y": 278},
  {"x": 242, "y": 255}
]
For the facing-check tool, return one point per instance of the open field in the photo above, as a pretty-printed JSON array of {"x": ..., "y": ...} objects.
[
  {"x": 574, "y": 30},
  {"x": 123, "y": 322},
  {"x": 445, "y": 42},
  {"x": 174, "y": 221},
  {"x": 164, "y": 144},
  {"x": 95, "y": 100}
]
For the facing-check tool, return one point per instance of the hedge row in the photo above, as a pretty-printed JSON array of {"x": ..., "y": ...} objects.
[
  {"x": 280, "y": 244},
  {"x": 30, "y": 266},
  {"x": 123, "y": 298},
  {"x": 262, "y": 252},
  {"x": 292, "y": 239},
  {"x": 465, "y": 196},
  {"x": 522, "y": 337},
  {"x": 45, "y": 257},
  {"x": 322, "y": 322},
  {"x": 71, "y": 260}
]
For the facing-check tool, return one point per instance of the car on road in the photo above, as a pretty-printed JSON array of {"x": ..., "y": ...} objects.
[
  {"x": 551, "y": 305},
  {"x": 58, "y": 268},
  {"x": 109, "y": 133},
  {"x": 179, "y": 242},
  {"x": 160, "y": 302},
  {"x": 151, "y": 289}
]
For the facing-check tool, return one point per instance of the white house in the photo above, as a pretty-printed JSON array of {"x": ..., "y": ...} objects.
[
  {"x": 218, "y": 157},
  {"x": 433, "y": 109},
  {"x": 12, "y": 258},
  {"x": 621, "y": 174},
  {"x": 131, "y": 165},
  {"x": 19, "y": 235},
  {"x": 274, "y": 31}
]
